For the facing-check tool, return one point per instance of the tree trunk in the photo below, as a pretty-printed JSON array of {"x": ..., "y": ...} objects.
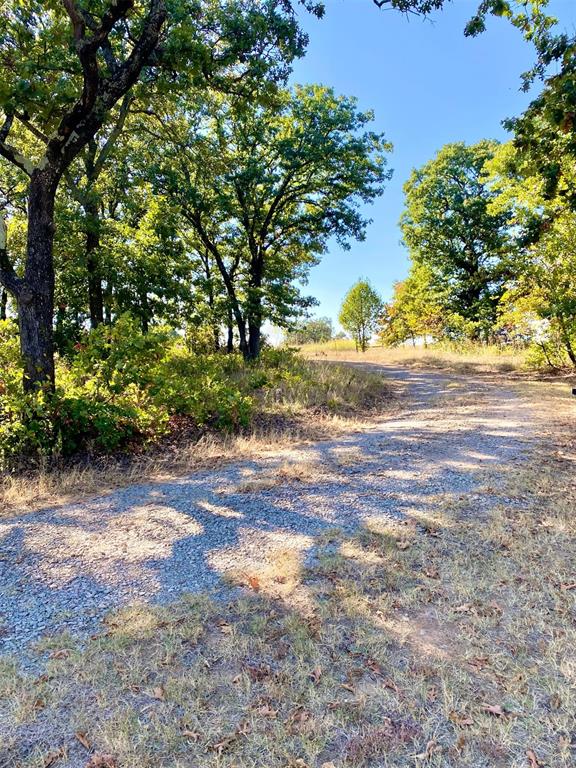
[
  {"x": 145, "y": 314},
  {"x": 95, "y": 292},
  {"x": 567, "y": 342},
  {"x": 36, "y": 296},
  {"x": 243, "y": 342},
  {"x": 254, "y": 307},
  {"x": 3, "y": 304},
  {"x": 108, "y": 304},
  {"x": 254, "y": 339}
]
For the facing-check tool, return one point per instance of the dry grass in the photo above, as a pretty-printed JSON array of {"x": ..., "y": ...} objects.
[
  {"x": 340, "y": 400},
  {"x": 446, "y": 639},
  {"x": 480, "y": 359}
]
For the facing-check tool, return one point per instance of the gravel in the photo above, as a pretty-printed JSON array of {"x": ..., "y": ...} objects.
[{"x": 63, "y": 569}]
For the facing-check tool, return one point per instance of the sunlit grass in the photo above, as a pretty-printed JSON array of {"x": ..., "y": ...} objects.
[
  {"x": 469, "y": 359},
  {"x": 441, "y": 639}
]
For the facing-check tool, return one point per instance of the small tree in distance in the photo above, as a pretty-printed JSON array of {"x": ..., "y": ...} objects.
[
  {"x": 313, "y": 330},
  {"x": 360, "y": 312}
]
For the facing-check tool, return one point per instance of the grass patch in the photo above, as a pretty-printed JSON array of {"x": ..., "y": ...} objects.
[
  {"x": 444, "y": 639},
  {"x": 471, "y": 359}
]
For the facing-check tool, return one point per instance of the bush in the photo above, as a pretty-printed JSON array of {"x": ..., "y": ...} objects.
[{"x": 122, "y": 387}]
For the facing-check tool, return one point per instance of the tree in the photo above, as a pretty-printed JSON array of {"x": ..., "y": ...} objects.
[
  {"x": 449, "y": 227},
  {"x": 86, "y": 84},
  {"x": 360, "y": 312},
  {"x": 265, "y": 187},
  {"x": 87, "y": 57},
  {"x": 542, "y": 282},
  {"x": 314, "y": 330},
  {"x": 415, "y": 310}
]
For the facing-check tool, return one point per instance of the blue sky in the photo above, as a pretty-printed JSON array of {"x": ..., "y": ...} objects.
[{"x": 428, "y": 85}]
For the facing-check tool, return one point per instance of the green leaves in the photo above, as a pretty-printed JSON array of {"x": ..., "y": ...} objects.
[
  {"x": 450, "y": 227},
  {"x": 360, "y": 313}
]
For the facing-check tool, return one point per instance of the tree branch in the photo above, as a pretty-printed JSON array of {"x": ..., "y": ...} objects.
[
  {"x": 32, "y": 128},
  {"x": 114, "y": 135},
  {"x": 16, "y": 158}
]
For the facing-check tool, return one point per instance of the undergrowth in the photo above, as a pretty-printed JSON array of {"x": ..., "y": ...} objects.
[{"x": 122, "y": 390}]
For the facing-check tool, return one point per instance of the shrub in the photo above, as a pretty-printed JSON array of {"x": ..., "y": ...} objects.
[{"x": 122, "y": 387}]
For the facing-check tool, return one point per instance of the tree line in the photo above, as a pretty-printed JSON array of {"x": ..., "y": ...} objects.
[
  {"x": 153, "y": 161},
  {"x": 490, "y": 230}
]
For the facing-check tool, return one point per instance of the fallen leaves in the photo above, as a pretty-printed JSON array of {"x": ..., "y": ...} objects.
[
  {"x": 496, "y": 710},
  {"x": 254, "y": 583},
  {"x": 459, "y": 719},
  {"x": 53, "y": 756},
  {"x": 432, "y": 748},
  {"x": 532, "y": 759},
  {"x": 83, "y": 739},
  {"x": 157, "y": 693},
  {"x": 315, "y": 675},
  {"x": 102, "y": 760},
  {"x": 61, "y": 653}
]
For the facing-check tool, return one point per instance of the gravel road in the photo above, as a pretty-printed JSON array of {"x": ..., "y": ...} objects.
[{"x": 64, "y": 568}]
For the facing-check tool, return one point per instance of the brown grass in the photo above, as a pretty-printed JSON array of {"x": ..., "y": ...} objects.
[
  {"x": 479, "y": 359},
  {"x": 445, "y": 639}
]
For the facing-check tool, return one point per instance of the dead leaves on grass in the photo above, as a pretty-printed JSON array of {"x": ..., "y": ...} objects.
[
  {"x": 459, "y": 719},
  {"x": 83, "y": 739},
  {"x": 52, "y": 757},
  {"x": 532, "y": 759},
  {"x": 102, "y": 760}
]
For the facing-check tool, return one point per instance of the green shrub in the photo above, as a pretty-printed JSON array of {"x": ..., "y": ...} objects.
[{"x": 121, "y": 388}]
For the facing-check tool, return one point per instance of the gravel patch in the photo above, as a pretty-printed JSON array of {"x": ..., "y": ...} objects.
[{"x": 63, "y": 569}]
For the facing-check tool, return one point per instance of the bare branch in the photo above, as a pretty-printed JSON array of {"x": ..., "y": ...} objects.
[{"x": 114, "y": 135}]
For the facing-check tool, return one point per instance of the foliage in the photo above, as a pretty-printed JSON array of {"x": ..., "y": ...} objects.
[
  {"x": 449, "y": 227},
  {"x": 313, "y": 330},
  {"x": 262, "y": 189},
  {"x": 416, "y": 309},
  {"x": 359, "y": 313},
  {"x": 124, "y": 390},
  {"x": 540, "y": 302}
]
